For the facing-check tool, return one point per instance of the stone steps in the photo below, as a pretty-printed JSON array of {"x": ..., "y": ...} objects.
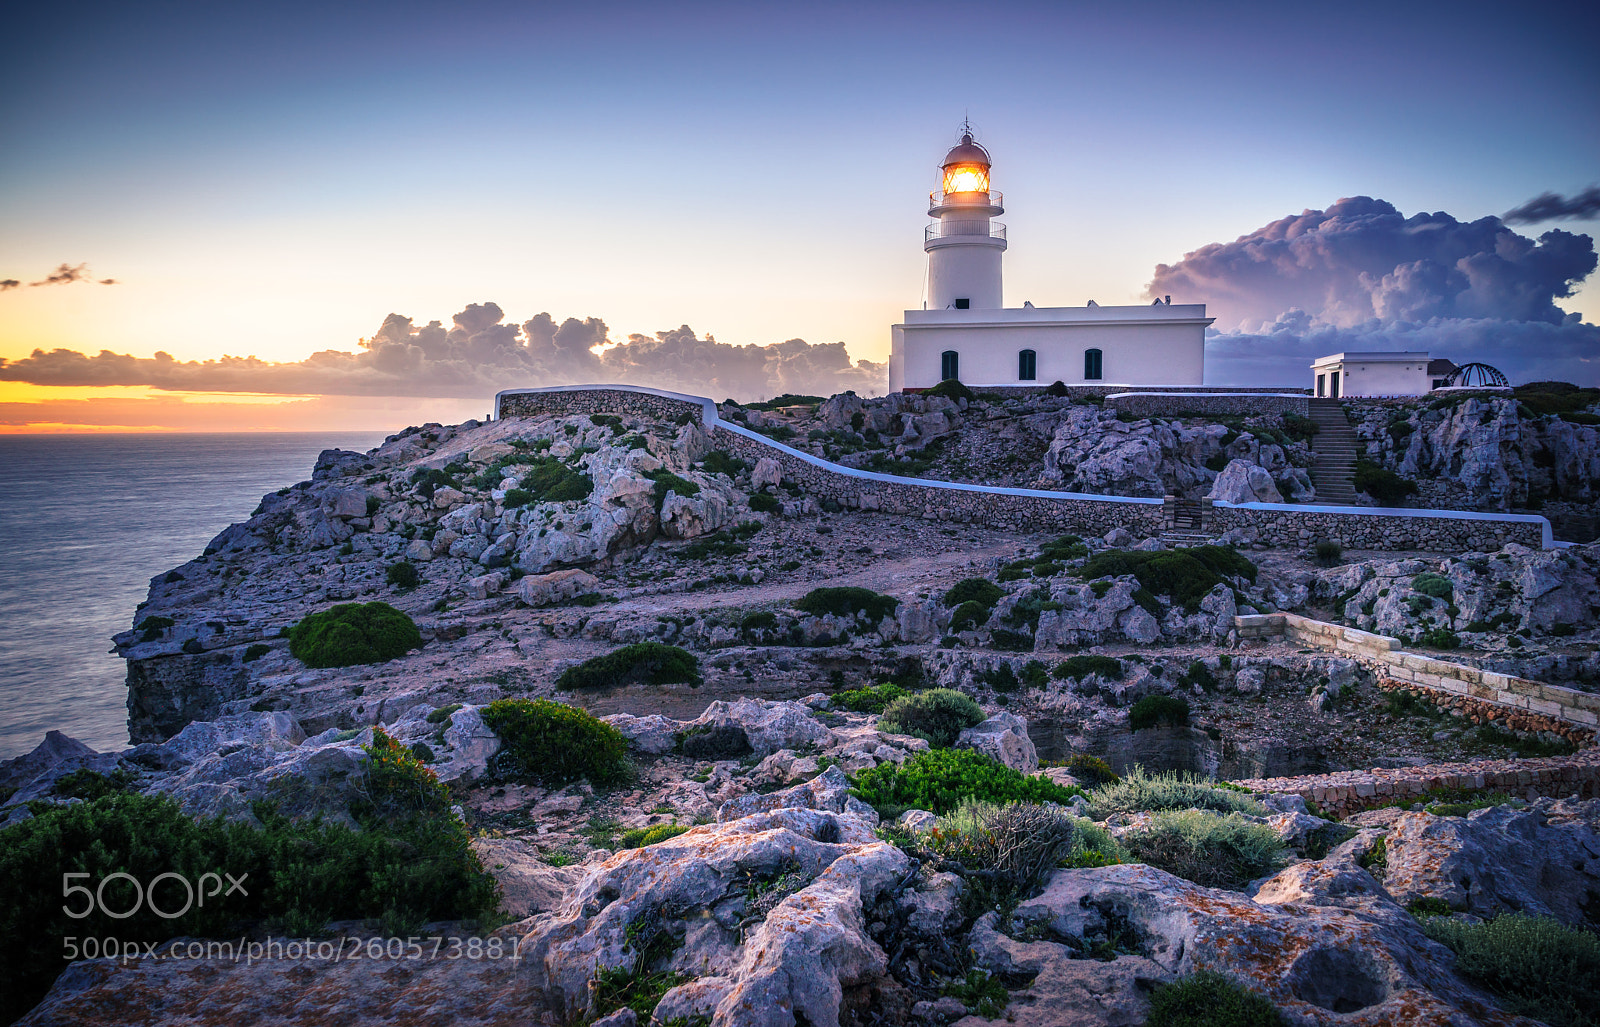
[{"x": 1334, "y": 449}]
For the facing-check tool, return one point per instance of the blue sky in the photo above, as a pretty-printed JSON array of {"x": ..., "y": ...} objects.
[{"x": 273, "y": 180}]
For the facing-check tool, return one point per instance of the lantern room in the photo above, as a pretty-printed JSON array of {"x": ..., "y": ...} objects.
[{"x": 966, "y": 168}]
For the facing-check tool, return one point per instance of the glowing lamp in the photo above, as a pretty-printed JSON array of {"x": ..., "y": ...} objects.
[{"x": 966, "y": 178}]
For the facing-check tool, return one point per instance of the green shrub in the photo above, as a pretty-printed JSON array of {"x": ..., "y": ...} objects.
[
  {"x": 1011, "y": 641},
  {"x": 1213, "y": 851},
  {"x": 88, "y": 785},
  {"x": 951, "y": 388},
  {"x": 256, "y": 651},
  {"x": 761, "y": 502},
  {"x": 720, "y": 461},
  {"x": 1217, "y": 462},
  {"x": 639, "y": 837},
  {"x": 942, "y": 779},
  {"x": 442, "y": 714},
  {"x": 650, "y": 663},
  {"x": 1154, "y": 710},
  {"x": 1439, "y": 638},
  {"x": 981, "y": 992},
  {"x": 872, "y": 699},
  {"x": 516, "y": 497},
  {"x": 759, "y": 620},
  {"x": 403, "y": 575},
  {"x": 937, "y": 715},
  {"x": 1210, "y": 999},
  {"x": 153, "y": 627},
  {"x": 432, "y": 479},
  {"x": 1142, "y": 791},
  {"x": 843, "y": 602},
  {"x": 1436, "y": 585},
  {"x": 1067, "y": 547},
  {"x": 353, "y": 633},
  {"x": 665, "y": 481},
  {"x": 1299, "y": 428},
  {"x": 1382, "y": 484},
  {"x": 1091, "y": 770},
  {"x": 397, "y": 785},
  {"x": 1018, "y": 843},
  {"x": 554, "y": 744},
  {"x": 1199, "y": 674},
  {"x": 969, "y": 615},
  {"x": 1057, "y": 388},
  {"x": 546, "y": 479},
  {"x": 1185, "y": 575},
  {"x": 974, "y": 590},
  {"x": 1538, "y": 967},
  {"x": 301, "y": 874},
  {"x": 1076, "y": 668},
  {"x": 1328, "y": 552}
]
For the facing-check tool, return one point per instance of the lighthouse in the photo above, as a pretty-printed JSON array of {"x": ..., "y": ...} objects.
[
  {"x": 964, "y": 331},
  {"x": 963, "y": 243}
]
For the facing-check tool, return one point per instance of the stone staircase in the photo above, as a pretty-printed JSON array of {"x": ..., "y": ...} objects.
[{"x": 1334, "y": 447}]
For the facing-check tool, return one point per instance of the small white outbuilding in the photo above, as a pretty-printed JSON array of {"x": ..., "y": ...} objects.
[{"x": 1404, "y": 373}]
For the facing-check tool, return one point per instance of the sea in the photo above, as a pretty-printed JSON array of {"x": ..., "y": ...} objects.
[{"x": 85, "y": 522}]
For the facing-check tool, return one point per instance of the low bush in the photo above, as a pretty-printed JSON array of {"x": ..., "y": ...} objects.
[
  {"x": 761, "y": 502},
  {"x": 974, "y": 590},
  {"x": 1382, "y": 484},
  {"x": 397, "y": 785},
  {"x": 639, "y": 837},
  {"x": 554, "y": 744},
  {"x": 546, "y": 480},
  {"x": 256, "y": 651},
  {"x": 298, "y": 875},
  {"x": 1076, "y": 668},
  {"x": 403, "y": 575},
  {"x": 843, "y": 602},
  {"x": 872, "y": 699},
  {"x": 1436, "y": 585},
  {"x": 1298, "y": 427},
  {"x": 665, "y": 481},
  {"x": 649, "y": 663},
  {"x": 759, "y": 620},
  {"x": 1091, "y": 770},
  {"x": 517, "y": 497},
  {"x": 1536, "y": 966},
  {"x": 1011, "y": 641},
  {"x": 981, "y": 992},
  {"x": 1210, "y": 999},
  {"x": 1439, "y": 638},
  {"x": 1157, "y": 710},
  {"x": 937, "y": 715},
  {"x": 1185, "y": 575},
  {"x": 952, "y": 388},
  {"x": 969, "y": 616},
  {"x": 1199, "y": 674},
  {"x": 1328, "y": 553},
  {"x": 1213, "y": 851},
  {"x": 429, "y": 481},
  {"x": 720, "y": 461},
  {"x": 1018, "y": 843},
  {"x": 942, "y": 779},
  {"x": 353, "y": 633},
  {"x": 1140, "y": 790},
  {"x": 1067, "y": 547}
]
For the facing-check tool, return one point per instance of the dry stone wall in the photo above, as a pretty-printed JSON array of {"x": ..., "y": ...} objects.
[
  {"x": 1171, "y": 404},
  {"x": 1480, "y": 695},
  {"x": 1346, "y": 792},
  {"x": 1036, "y": 510}
]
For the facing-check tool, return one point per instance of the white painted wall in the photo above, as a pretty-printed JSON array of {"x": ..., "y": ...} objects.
[
  {"x": 1375, "y": 374},
  {"x": 969, "y": 270},
  {"x": 1139, "y": 345}
]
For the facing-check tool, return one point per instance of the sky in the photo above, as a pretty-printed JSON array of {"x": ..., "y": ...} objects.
[{"x": 646, "y": 192}]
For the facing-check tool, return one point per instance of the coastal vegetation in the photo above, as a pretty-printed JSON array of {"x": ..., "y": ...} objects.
[
  {"x": 353, "y": 633},
  {"x": 649, "y": 663},
  {"x": 554, "y": 744}
]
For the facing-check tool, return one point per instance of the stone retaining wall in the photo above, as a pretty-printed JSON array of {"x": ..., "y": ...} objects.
[
  {"x": 1439, "y": 531},
  {"x": 1517, "y": 703},
  {"x": 1346, "y": 792},
  {"x": 1173, "y": 404},
  {"x": 1038, "y": 510}
]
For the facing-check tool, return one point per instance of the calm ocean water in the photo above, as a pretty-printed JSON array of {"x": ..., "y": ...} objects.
[{"x": 86, "y": 522}]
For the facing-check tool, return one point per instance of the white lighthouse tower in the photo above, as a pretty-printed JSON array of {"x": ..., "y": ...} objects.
[
  {"x": 964, "y": 332},
  {"x": 963, "y": 245}
]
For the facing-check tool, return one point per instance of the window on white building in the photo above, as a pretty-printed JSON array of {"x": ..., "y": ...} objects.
[
  {"x": 1091, "y": 365},
  {"x": 949, "y": 365},
  {"x": 1027, "y": 366}
]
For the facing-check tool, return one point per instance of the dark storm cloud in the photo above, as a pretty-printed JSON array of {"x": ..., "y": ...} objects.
[
  {"x": 1551, "y": 207},
  {"x": 8, "y": 283},
  {"x": 1360, "y": 276},
  {"x": 1361, "y": 259},
  {"x": 478, "y": 355}
]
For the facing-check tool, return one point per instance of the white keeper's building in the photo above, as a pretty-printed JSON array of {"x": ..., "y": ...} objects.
[{"x": 966, "y": 332}]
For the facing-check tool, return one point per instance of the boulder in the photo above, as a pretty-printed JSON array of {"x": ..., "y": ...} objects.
[
  {"x": 555, "y": 587},
  {"x": 766, "y": 472},
  {"x": 652, "y": 733},
  {"x": 765, "y": 726},
  {"x": 829, "y": 790},
  {"x": 347, "y": 503},
  {"x": 1003, "y": 737},
  {"x": 445, "y": 498},
  {"x": 1245, "y": 482},
  {"x": 528, "y": 885}
]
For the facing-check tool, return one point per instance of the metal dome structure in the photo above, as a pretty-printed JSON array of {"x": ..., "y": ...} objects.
[
  {"x": 967, "y": 152},
  {"x": 1481, "y": 375}
]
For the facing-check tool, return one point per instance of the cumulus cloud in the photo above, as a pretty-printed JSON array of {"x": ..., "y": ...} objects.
[
  {"x": 64, "y": 274},
  {"x": 477, "y": 355},
  {"x": 1584, "y": 206},
  {"x": 1362, "y": 276}
]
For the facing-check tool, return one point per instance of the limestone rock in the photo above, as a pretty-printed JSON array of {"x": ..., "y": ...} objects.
[
  {"x": 555, "y": 587},
  {"x": 652, "y": 733},
  {"x": 527, "y": 885},
  {"x": 1003, "y": 737},
  {"x": 766, "y": 726},
  {"x": 1245, "y": 482},
  {"x": 767, "y": 471}
]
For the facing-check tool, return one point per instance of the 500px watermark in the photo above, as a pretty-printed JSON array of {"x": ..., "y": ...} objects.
[
  {"x": 334, "y": 950},
  {"x": 194, "y": 893}
]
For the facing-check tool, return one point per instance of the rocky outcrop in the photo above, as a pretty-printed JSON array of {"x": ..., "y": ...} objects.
[
  {"x": 1245, "y": 482},
  {"x": 1003, "y": 738}
]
